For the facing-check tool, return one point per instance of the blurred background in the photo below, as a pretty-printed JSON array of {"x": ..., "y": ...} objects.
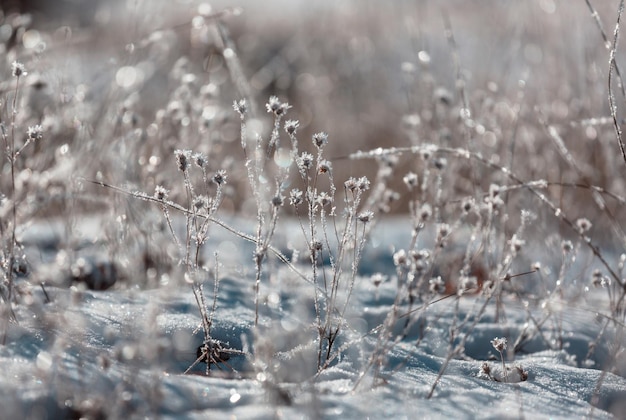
[{"x": 120, "y": 84}]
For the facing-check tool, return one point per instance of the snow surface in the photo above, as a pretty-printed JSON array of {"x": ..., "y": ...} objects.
[{"x": 122, "y": 353}]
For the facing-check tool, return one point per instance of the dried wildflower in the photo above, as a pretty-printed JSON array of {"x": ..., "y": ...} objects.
[
  {"x": 324, "y": 199},
  {"x": 320, "y": 139},
  {"x": 378, "y": 278},
  {"x": 160, "y": 193},
  {"x": 436, "y": 285},
  {"x": 583, "y": 225},
  {"x": 363, "y": 183},
  {"x": 220, "y": 177},
  {"x": 200, "y": 160},
  {"x": 275, "y": 106},
  {"x": 324, "y": 166},
  {"x": 278, "y": 200},
  {"x": 182, "y": 159},
  {"x": 201, "y": 202},
  {"x": 295, "y": 197},
  {"x": 410, "y": 180},
  {"x": 426, "y": 154},
  {"x": 399, "y": 258},
  {"x": 425, "y": 212},
  {"x": 241, "y": 107},
  {"x": 365, "y": 216},
  {"x": 499, "y": 344},
  {"x": 291, "y": 126},
  {"x": 567, "y": 247},
  {"x": 516, "y": 244},
  {"x": 440, "y": 163},
  {"x": 486, "y": 369},
  {"x": 350, "y": 184},
  {"x": 18, "y": 69},
  {"x": 304, "y": 161},
  {"x": 468, "y": 205},
  {"x": 35, "y": 132},
  {"x": 598, "y": 279}
]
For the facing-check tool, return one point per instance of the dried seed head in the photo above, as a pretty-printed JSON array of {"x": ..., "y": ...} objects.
[
  {"x": 400, "y": 258},
  {"x": 320, "y": 139},
  {"x": 583, "y": 225},
  {"x": 324, "y": 166},
  {"x": 291, "y": 126},
  {"x": 304, "y": 161},
  {"x": 437, "y": 285},
  {"x": 468, "y": 205},
  {"x": 378, "y": 279},
  {"x": 241, "y": 107},
  {"x": 567, "y": 247},
  {"x": 295, "y": 197},
  {"x": 440, "y": 163},
  {"x": 365, "y": 216},
  {"x": 410, "y": 180},
  {"x": 182, "y": 159},
  {"x": 220, "y": 177},
  {"x": 324, "y": 199},
  {"x": 499, "y": 344},
  {"x": 160, "y": 193},
  {"x": 35, "y": 132},
  {"x": 278, "y": 200},
  {"x": 18, "y": 69},
  {"x": 200, "y": 160},
  {"x": 275, "y": 106},
  {"x": 425, "y": 212}
]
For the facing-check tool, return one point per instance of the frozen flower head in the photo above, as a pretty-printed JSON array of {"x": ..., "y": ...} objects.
[
  {"x": 378, "y": 278},
  {"x": 425, "y": 212},
  {"x": 437, "y": 285},
  {"x": 295, "y": 197},
  {"x": 324, "y": 199},
  {"x": 160, "y": 193},
  {"x": 320, "y": 139},
  {"x": 583, "y": 225},
  {"x": 468, "y": 205},
  {"x": 241, "y": 107},
  {"x": 18, "y": 69},
  {"x": 200, "y": 160},
  {"x": 365, "y": 216},
  {"x": 278, "y": 200},
  {"x": 291, "y": 126},
  {"x": 35, "y": 132},
  {"x": 304, "y": 161},
  {"x": 324, "y": 167},
  {"x": 220, "y": 177},
  {"x": 567, "y": 247},
  {"x": 400, "y": 258},
  {"x": 516, "y": 244},
  {"x": 275, "y": 106},
  {"x": 350, "y": 184},
  {"x": 499, "y": 344},
  {"x": 200, "y": 203},
  {"x": 440, "y": 163},
  {"x": 363, "y": 183},
  {"x": 183, "y": 158},
  {"x": 410, "y": 180}
]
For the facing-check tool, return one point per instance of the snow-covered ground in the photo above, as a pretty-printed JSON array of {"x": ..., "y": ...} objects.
[{"x": 122, "y": 353}]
